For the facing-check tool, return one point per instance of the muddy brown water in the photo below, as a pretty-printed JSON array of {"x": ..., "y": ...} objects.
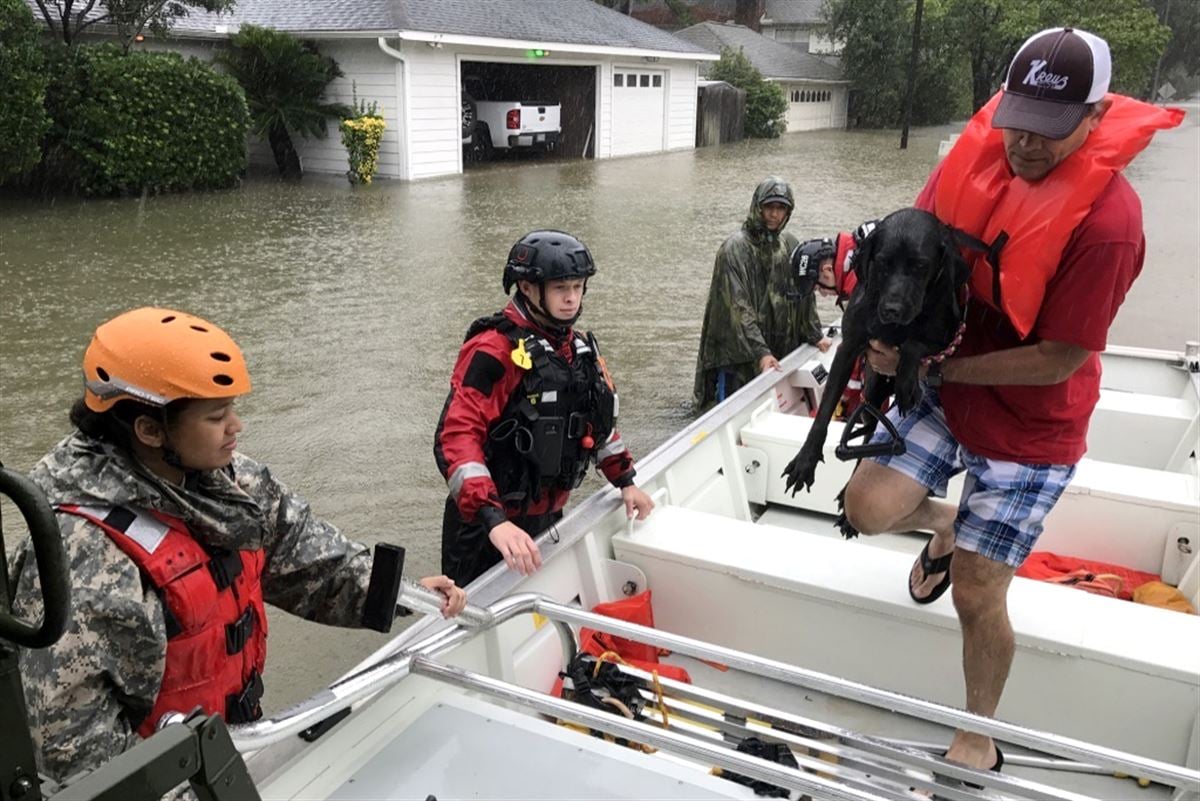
[{"x": 351, "y": 303}]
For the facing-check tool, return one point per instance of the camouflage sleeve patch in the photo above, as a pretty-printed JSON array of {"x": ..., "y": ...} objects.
[{"x": 87, "y": 693}]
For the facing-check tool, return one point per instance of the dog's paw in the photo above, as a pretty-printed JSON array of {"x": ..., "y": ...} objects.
[{"x": 801, "y": 471}]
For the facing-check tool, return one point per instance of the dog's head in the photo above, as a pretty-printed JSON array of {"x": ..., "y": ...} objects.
[{"x": 910, "y": 254}]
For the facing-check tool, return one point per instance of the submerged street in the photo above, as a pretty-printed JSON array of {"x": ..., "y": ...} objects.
[{"x": 350, "y": 305}]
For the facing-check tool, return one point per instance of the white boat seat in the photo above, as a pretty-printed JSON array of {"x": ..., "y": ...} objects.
[
  {"x": 1118, "y": 513},
  {"x": 722, "y": 579},
  {"x": 1139, "y": 428}
]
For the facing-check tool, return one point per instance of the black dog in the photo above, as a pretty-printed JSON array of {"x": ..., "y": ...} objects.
[{"x": 910, "y": 274}]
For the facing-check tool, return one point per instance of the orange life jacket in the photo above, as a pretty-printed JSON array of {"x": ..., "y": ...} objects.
[
  {"x": 844, "y": 278},
  {"x": 978, "y": 194},
  {"x": 213, "y": 607}
]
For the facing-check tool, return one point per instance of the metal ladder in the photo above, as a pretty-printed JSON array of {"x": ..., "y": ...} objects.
[{"x": 835, "y": 763}]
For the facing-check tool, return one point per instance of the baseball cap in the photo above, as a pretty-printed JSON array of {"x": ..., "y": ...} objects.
[{"x": 1052, "y": 80}]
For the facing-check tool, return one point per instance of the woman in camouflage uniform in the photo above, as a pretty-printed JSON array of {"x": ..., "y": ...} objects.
[{"x": 174, "y": 542}]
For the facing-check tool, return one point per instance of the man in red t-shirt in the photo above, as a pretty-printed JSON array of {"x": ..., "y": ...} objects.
[{"x": 1011, "y": 411}]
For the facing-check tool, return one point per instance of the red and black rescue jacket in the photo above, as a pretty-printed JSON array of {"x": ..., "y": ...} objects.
[{"x": 527, "y": 414}]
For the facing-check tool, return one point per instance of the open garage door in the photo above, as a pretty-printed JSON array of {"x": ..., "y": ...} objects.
[
  {"x": 541, "y": 86},
  {"x": 638, "y": 111}
]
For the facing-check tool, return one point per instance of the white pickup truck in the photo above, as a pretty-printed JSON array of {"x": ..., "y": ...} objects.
[{"x": 490, "y": 125}]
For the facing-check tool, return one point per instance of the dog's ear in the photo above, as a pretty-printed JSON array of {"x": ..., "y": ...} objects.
[
  {"x": 953, "y": 268},
  {"x": 953, "y": 265}
]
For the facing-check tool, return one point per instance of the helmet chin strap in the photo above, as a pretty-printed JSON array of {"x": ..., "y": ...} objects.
[{"x": 558, "y": 326}]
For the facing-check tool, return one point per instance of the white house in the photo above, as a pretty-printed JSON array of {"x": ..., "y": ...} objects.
[
  {"x": 814, "y": 85},
  {"x": 410, "y": 57},
  {"x": 799, "y": 23}
]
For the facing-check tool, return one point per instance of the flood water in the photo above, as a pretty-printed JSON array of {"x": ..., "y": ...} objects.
[{"x": 350, "y": 305}]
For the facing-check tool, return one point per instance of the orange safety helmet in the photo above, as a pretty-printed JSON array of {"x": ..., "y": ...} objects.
[{"x": 156, "y": 356}]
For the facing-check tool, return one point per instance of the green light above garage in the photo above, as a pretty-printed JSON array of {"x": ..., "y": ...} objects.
[{"x": 537, "y": 53}]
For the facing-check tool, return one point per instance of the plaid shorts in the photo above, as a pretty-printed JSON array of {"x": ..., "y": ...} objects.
[{"x": 1003, "y": 504}]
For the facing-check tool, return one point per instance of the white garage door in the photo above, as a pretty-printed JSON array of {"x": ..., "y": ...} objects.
[
  {"x": 637, "y": 110},
  {"x": 810, "y": 108}
]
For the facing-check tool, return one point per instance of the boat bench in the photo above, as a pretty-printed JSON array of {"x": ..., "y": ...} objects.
[
  {"x": 1109, "y": 671},
  {"x": 1116, "y": 513}
]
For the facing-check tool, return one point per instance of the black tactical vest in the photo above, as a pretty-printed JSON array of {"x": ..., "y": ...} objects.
[{"x": 556, "y": 420}]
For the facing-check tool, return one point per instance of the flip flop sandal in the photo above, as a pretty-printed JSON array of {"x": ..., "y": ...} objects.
[
  {"x": 994, "y": 768},
  {"x": 929, "y": 567}
]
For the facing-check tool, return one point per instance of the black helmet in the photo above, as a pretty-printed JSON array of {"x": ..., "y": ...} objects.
[
  {"x": 806, "y": 263},
  {"x": 547, "y": 255}
]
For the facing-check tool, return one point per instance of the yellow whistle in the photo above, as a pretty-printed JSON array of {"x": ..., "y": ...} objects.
[{"x": 520, "y": 356}]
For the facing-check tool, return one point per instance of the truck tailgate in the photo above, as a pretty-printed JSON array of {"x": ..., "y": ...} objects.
[{"x": 539, "y": 118}]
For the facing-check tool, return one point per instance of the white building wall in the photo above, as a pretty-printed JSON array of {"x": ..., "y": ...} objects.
[
  {"x": 604, "y": 114},
  {"x": 368, "y": 71},
  {"x": 372, "y": 74},
  {"x": 425, "y": 126},
  {"x": 435, "y": 111},
  {"x": 682, "y": 78}
]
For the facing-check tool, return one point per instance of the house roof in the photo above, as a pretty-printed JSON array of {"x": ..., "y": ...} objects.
[
  {"x": 794, "y": 12},
  {"x": 773, "y": 59},
  {"x": 579, "y": 22}
]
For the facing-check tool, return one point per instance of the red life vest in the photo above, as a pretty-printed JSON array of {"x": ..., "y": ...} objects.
[
  {"x": 844, "y": 278},
  {"x": 213, "y": 607},
  {"x": 978, "y": 194}
]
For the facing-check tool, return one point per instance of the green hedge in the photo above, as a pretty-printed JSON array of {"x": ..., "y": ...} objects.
[
  {"x": 128, "y": 123},
  {"x": 23, "y": 118}
]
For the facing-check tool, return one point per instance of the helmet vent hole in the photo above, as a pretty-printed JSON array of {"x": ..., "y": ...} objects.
[
  {"x": 100, "y": 371},
  {"x": 168, "y": 318},
  {"x": 201, "y": 329},
  {"x": 221, "y": 357},
  {"x": 222, "y": 379}
]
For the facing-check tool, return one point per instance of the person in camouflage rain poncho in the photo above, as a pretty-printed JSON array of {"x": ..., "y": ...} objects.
[
  {"x": 755, "y": 313},
  {"x": 155, "y": 439}
]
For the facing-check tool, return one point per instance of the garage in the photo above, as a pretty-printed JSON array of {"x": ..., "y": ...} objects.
[
  {"x": 638, "y": 110},
  {"x": 541, "y": 86},
  {"x": 813, "y": 106}
]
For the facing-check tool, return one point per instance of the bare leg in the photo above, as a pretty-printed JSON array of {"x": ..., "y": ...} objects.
[
  {"x": 880, "y": 499},
  {"x": 980, "y": 592}
]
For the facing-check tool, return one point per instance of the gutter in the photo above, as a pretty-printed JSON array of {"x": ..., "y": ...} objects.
[
  {"x": 437, "y": 39},
  {"x": 402, "y": 106}
]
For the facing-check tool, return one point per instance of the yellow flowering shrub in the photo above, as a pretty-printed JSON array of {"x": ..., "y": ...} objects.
[{"x": 361, "y": 136}]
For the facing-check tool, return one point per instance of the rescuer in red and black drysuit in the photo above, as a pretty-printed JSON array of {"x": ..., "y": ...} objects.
[{"x": 531, "y": 407}]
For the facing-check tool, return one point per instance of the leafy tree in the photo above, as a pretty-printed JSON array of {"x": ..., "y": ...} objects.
[
  {"x": 967, "y": 46},
  {"x": 1183, "y": 51},
  {"x": 67, "y": 19},
  {"x": 284, "y": 79},
  {"x": 765, "y": 101},
  {"x": 23, "y": 117},
  {"x": 878, "y": 41}
]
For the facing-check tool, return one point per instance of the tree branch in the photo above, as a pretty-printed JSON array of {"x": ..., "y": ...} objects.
[{"x": 46, "y": 15}]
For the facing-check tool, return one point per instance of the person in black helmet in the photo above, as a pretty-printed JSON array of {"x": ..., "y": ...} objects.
[{"x": 531, "y": 408}]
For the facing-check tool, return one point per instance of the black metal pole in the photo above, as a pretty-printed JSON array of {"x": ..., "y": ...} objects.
[
  {"x": 1158, "y": 64},
  {"x": 912, "y": 73}
]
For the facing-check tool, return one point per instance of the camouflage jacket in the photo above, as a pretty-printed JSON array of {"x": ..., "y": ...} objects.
[
  {"x": 87, "y": 693},
  {"x": 754, "y": 308}
]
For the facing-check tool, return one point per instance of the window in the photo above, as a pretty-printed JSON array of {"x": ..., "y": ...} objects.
[
  {"x": 657, "y": 80},
  {"x": 645, "y": 81},
  {"x": 631, "y": 80},
  {"x": 825, "y": 96},
  {"x": 804, "y": 96},
  {"x": 618, "y": 79}
]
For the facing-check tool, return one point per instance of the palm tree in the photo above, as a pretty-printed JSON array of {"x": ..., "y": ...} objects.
[{"x": 284, "y": 79}]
